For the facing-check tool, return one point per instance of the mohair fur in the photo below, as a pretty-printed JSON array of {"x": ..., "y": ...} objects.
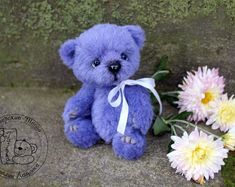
[{"x": 87, "y": 115}]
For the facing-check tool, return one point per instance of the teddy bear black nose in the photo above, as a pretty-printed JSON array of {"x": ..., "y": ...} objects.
[{"x": 115, "y": 66}]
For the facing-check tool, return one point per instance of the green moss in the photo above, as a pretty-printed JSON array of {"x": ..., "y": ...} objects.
[
  {"x": 150, "y": 13},
  {"x": 9, "y": 22},
  {"x": 55, "y": 17},
  {"x": 230, "y": 9},
  {"x": 48, "y": 18},
  {"x": 39, "y": 18},
  {"x": 43, "y": 19},
  {"x": 228, "y": 171}
]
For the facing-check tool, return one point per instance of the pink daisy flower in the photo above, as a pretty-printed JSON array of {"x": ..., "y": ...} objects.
[{"x": 199, "y": 89}]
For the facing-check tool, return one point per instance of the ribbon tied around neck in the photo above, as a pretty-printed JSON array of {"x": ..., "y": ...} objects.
[{"x": 148, "y": 83}]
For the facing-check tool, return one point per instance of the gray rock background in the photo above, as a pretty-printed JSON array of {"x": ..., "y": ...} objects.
[{"x": 192, "y": 33}]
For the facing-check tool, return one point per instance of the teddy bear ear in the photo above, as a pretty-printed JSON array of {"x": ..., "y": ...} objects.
[
  {"x": 137, "y": 33},
  {"x": 67, "y": 52},
  {"x": 33, "y": 147}
]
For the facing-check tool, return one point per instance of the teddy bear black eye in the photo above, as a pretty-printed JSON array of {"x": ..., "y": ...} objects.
[
  {"x": 95, "y": 63},
  {"x": 124, "y": 56}
]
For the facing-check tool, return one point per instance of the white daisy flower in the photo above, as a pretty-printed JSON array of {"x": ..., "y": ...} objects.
[
  {"x": 197, "y": 155},
  {"x": 229, "y": 139},
  {"x": 222, "y": 113}
]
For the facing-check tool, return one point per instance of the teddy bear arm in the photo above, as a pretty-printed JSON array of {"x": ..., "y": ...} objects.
[
  {"x": 141, "y": 111},
  {"x": 80, "y": 104}
]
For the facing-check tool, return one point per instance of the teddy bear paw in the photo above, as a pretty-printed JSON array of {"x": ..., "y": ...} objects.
[
  {"x": 73, "y": 128},
  {"x": 81, "y": 133},
  {"x": 128, "y": 139},
  {"x": 73, "y": 114},
  {"x": 129, "y": 146}
]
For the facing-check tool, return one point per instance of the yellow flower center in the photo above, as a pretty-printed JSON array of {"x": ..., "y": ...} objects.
[
  {"x": 199, "y": 154},
  {"x": 227, "y": 113},
  {"x": 229, "y": 141},
  {"x": 208, "y": 97}
]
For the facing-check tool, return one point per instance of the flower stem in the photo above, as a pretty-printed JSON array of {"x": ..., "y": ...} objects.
[
  {"x": 179, "y": 127},
  {"x": 170, "y": 93},
  {"x": 173, "y": 129},
  {"x": 161, "y": 72},
  {"x": 192, "y": 125}
]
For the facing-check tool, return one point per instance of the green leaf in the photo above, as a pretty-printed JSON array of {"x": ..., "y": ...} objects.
[
  {"x": 182, "y": 115},
  {"x": 160, "y": 126},
  {"x": 169, "y": 99},
  {"x": 160, "y": 75},
  {"x": 163, "y": 65},
  {"x": 162, "y": 69}
]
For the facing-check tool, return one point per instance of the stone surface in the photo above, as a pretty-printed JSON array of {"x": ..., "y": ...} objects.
[
  {"x": 192, "y": 33},
  {"x": 66, "y": 165}
]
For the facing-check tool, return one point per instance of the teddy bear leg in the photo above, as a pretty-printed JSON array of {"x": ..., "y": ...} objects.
[
  {"x": 81, "y": 133},
  {"x": 130, "y": 146}
]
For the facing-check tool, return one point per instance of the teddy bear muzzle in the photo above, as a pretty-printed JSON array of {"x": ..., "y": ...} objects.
[{"x": 114, "y": 66}]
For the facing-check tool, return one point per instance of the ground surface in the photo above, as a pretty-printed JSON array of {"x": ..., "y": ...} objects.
[{"x": 66, "y": 165}]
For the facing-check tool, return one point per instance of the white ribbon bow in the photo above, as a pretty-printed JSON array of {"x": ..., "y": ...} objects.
[{"x": 145, "y": 82}]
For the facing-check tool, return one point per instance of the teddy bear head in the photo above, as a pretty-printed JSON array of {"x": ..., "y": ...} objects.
[
  {"x": 23, "y": 148},
  {"x": 105, "y": 54}
]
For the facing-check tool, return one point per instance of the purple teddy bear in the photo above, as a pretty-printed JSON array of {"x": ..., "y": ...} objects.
[{"x": 101, "y": 58}]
